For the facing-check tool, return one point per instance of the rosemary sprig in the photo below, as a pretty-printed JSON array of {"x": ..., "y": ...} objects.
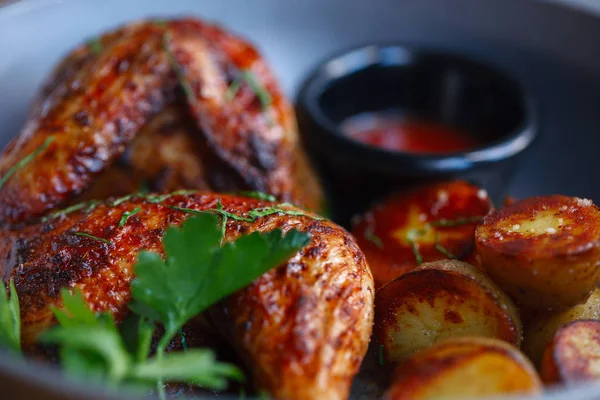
[
  {"x": 26, "y": 160},
  {"x": 233, "y": 89},
  {"x": 128, "y": 214},
  {"x": 265, "y": 211},
  {"x": 87, "y": 235}
]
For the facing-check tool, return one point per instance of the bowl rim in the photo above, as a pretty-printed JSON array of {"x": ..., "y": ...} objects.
[{"x": 328, "y": 70}]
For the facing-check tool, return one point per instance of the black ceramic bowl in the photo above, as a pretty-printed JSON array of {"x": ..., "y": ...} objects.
[{"x": 446, "y": 88}]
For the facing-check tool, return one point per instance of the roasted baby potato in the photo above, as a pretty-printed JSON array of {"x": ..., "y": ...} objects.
[
  {"x": 440, "y": 300},
  {"x": 438, "y": 221},
  {"x": 574, "y": 354},
  {"x": 540, "y": 331},
  {"x": 544, "y": 251},
  {"x": 464, "y": 368}
]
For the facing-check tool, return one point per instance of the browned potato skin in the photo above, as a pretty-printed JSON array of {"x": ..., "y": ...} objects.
[
  {"x": 391, "y": 219},
  {"x": 464, "y": 368},
  {"x": 551, "y": 270},
  {"x": 464, "y": 291},
  {"x": 539, "y": 332},
  {"x": 303, "y": 328},
  {"x": 573, "y": 354},
  {"x": 95, "y": 104}
]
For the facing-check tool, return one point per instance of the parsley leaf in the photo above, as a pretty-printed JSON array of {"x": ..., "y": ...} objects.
[
  {"x": 198, "y": 272},
  {"x": 10, "y": 319}
]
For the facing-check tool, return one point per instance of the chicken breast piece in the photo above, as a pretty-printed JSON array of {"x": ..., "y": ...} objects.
[
  {"x": 98, "y": 100},
  {"x": 303, "y": 328}
]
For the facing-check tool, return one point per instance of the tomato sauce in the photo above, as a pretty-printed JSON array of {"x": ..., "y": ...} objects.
[{"x": 407, "y": 134}]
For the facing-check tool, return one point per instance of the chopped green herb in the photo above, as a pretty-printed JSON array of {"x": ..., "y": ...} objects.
[
  {"x": 26, "y": 160},
  {"x": 411, "y": 236},
  {"x": 266, "y": 211},
  {"x": 456, "y": 222},
  {"x": 200, "y": 271},
  {"x": 442, "y": 249},
  {"x": 87, "y": 235},
  {"x": 123, "y": 199},
  {"x": 183, "y": 81},
  {"x": 372, "y": 237},
  {"x": 162, "y": 197},
  {"x": 218, "y": 210},
  {"x": 128, "y": 214},
  {"x": 88, "y": 205},
  {"x": 10, "y": 319},
  {"x": 233, "y": 89},
  {"x": 380, "y": 358},
  {"x": 95, "y": 46},
  {"x": 144, "y": 186},
  {"x": 263, "y": 95},
  {"x": 258, "y": 195}
]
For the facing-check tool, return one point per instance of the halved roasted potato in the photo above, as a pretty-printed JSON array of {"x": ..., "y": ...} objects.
[
  {"x": 440, "y": 300},
  {"x": 544, "y": 251},
  {"x": 573, "y": 354},
  {"x": 433, "y": 222},
  {"x": 539, "y": 332},
  {"x": 468, "y": 367}
]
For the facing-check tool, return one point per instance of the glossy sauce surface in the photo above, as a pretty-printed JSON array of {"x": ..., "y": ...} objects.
[{"x": 397, "y": 132}]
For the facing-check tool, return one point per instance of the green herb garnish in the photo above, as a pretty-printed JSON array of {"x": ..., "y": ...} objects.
[
  {"x": 95, "y": 46},
  {"x": 10, "y": 319},
  {"x": 183, "y": 81},
  {"x": 197, "y": 272},
  {"x": 87, "y": 235},
  {"x": 200, "y": 272},
  {"x": 263, "y": 95},
  {"x": 91, "y": 346},
  {"x": 372, "y": 237},
  {"x": 266, "y": 211},
  {"x": 442, "y": 249},
  {"x": 26, "y": 160},
  {"x": 128, "y": 214},
  {"x": 456, "y": 222},
  {"x": 380, "y": 358},
  {"x": 258, "y": 195},
  {"x": 411, "y": 236},
  {"x": 233, "y": 89}
]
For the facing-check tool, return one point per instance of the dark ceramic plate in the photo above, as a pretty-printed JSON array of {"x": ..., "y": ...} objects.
[{"x": 553, "y": 50}]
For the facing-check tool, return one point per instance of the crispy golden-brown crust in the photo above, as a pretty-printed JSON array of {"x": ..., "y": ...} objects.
[
  {"x": 440, "y": 300},
  {"x": 573, "y": 354},
  {"x": 95, "y": 103},
  {"x": 544, "y": 251},
  {"x": 303, "y": 327},
  {"x": 383, "y": 231},
  {"x": 464, "y": 368}
]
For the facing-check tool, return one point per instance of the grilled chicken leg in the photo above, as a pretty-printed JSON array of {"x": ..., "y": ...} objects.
[
  {"x": 230, "y": 123},
  {"x": 303, "y": 327}
]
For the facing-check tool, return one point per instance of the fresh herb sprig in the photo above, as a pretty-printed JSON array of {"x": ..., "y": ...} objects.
[
  {"x": 10, "y": 319},
  {"x": 92, "y": 347},
  {"x": 257, "y": 195},
  {"x": 90, "y": 236},
  {"x": 95, "y": 46},
  {"x": 127, "y": 215},
  {"x": 198, "y": 271},
  {"x": 25, "y": 160}
]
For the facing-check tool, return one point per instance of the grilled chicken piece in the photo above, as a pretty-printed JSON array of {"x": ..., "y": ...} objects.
[
  {"x": 303, "y": 327},
  {"x": 98, "y": 100}
]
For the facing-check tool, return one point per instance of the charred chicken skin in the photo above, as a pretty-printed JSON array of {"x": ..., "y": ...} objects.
[
  {"x": 197, "y": 102},
  {"x": 303, "y": 327}
]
